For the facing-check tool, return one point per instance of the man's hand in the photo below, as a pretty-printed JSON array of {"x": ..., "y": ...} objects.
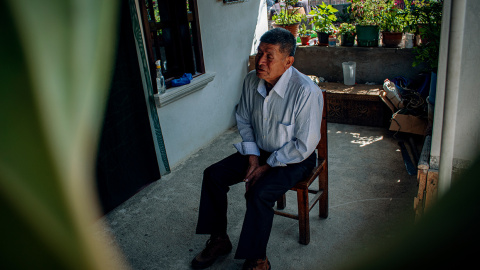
[
  {"x": 254, "y": 171},
  {"x": 253, "y": 164}
]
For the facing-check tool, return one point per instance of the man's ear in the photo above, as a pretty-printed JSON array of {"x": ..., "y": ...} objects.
[{"x": 289, "y": 62}]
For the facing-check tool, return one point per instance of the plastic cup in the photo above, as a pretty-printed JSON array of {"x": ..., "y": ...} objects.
[
  {"x": 349, "y": 72},
  {"x": 409, "y": 40}
]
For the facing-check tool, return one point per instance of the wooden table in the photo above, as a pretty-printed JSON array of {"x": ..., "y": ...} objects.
[{"x": 355, "y": 104}]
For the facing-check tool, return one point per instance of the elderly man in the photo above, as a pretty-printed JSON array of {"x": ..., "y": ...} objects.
[{"x": 278, "y": 118}]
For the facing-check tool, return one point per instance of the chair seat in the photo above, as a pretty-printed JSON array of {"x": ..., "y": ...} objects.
[{"x": 307, "y": 181}]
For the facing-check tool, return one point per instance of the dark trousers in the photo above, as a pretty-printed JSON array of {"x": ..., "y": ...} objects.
[{"x": 260, "y": 199}]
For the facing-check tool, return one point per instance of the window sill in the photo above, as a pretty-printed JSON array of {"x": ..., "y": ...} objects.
[{"x": 176, "y": 93}]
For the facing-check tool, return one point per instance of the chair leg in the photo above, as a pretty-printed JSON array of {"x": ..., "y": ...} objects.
[
  {"x": 303, "y": 216},
  {"x": 323, "y": 200},
  {"x": 282, "y": 202}
]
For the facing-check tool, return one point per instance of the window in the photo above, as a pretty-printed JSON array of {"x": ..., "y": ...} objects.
[{"x": 172, "y": 36}]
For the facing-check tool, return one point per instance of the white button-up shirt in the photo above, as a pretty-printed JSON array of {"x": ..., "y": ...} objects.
[{"x": 286, "y": 122}]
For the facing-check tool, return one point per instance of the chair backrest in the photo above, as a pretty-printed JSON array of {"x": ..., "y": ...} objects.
[{"x": 322, "y": 147}]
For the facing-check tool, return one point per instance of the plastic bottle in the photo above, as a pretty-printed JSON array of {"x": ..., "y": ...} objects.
[
  {"x": 160, "y": 80},
  {"x": 332, "y": 41}
]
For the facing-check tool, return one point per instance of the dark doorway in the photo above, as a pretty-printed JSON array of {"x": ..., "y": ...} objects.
[{"x": 126, "y": 160}]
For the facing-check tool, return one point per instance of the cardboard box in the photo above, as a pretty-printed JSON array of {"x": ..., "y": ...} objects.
[{"x": 408, "y": 123}]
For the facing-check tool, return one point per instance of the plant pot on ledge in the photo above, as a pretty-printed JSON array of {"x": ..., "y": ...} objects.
[
  {"x": 323, "y": 18},
  {"x": 347, "y": 31},
  {"x": 305, "y": 40},
  {"x": 348, "y": 39},
  {"x": 322, "y": 39},
  {"x": 367, "y": 35},
  {"x": 392, "y": 39},
  {"x": 293, "y": 28}
]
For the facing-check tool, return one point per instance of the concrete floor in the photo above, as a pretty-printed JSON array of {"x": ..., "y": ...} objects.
[{"x": 371, "y": 194}]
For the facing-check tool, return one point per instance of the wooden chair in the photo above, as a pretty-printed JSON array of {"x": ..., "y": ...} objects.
[{"x": 303, "y": 187}]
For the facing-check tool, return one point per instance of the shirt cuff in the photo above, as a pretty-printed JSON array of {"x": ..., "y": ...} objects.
[
  {"x": 273, "y": 161},
  {"x": 247, "y": 148}
]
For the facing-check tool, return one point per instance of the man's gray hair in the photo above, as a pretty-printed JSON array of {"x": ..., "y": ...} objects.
[{"x": 282, "y": 37}]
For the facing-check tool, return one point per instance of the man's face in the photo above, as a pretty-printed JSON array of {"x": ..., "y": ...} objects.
[{"x": 271, "y": 63}]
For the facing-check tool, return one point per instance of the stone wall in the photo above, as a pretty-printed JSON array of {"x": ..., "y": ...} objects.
[{"x": 373, "y": 64}]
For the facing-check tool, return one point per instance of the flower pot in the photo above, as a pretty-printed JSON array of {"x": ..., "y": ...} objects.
[
  {"x": 293, "y": 28},
  {"x": 297, "y": 10},
  {"x": 367, "y": 35},
  {"x": 322, "y": 39},
  {"x": 348, "y": 40},
  {"x": 305, "y": 40},
  {"x": 392, "y": 39}
]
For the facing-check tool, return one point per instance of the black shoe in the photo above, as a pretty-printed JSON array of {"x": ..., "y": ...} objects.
[{"x": 215, "y": 247}]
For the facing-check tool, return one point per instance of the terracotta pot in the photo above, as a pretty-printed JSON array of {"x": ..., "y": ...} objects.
[
  {"x": 297, "y": 10},
  {"x": 293, "y": 28},
  {"x": 305, "y": 40},
  {"x": 392, "y": 39}
]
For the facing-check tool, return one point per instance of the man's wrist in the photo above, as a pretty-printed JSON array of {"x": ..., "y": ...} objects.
[{"x": 253, "y": 160}]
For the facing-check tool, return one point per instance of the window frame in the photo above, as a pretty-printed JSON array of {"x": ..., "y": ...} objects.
[{"x": 181, "y": 39}]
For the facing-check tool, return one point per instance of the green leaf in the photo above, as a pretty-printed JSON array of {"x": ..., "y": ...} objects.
[{"x": 52, "y": 96}]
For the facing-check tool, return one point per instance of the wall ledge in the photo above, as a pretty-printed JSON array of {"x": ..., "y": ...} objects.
[
  {"x": 175, "y": 93},
  {"x": 374, "y": 64}
]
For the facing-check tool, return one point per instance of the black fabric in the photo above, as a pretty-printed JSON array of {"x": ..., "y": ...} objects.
[
  {"x": 260, "y": 199},
  {"x": 126, "y": 159}
]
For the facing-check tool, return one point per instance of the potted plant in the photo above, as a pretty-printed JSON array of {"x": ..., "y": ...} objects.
[
  {"x": 427, "y": 18},
  {"x": 410, "y": 24},
  {"x": 347, "y": 32},
  {"x": 304, "y": 34},
  {"x": 323, "y": 18},
  {"x": 392, "y": 24},
  {"x": 366, "y": 14},
  {"x": 289, "y": 17}
]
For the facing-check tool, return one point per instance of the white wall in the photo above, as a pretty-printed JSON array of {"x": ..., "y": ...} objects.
[
  {"x": 228, "y": 33},
  {"x": 456, "y": 131},
  {"x": 467, "y": 142}
]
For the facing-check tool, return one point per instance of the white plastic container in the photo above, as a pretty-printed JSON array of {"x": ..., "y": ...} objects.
[
  {"x": 349, "y": 72},
  {"x": 409, "y": 40},
  {"x": 393, "y": 94},
  {"x": 160, "y": 80}
]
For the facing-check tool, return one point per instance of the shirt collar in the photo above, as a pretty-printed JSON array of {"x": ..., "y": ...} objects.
[{"x": 280, "y": 87}]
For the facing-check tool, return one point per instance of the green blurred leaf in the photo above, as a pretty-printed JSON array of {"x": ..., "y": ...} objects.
[{"x": 56, "y": 68}]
